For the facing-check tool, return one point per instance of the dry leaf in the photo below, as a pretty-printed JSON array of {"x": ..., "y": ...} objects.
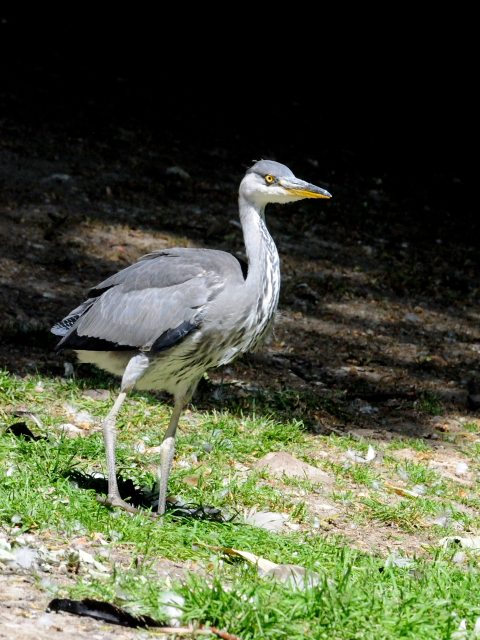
[
  {"x": 291, "y": 574},
  {"x": 151, "y": 450},
  {"x": 402, "y": 492},
  {"x": 192, "y": 480},
  {"x": 261, "y": 563}
]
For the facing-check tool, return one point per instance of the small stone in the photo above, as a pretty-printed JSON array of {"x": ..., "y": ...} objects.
[
  {"x": 97, "y": 394},
  {"x": 282, "y": 463}
]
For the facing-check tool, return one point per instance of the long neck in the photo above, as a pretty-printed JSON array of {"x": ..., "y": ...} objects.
[
  {"x": 261, "y": 250},
  {"x": 262, "y": 286}
]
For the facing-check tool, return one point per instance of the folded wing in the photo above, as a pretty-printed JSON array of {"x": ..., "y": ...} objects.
[{"x": 152, "y": 304}]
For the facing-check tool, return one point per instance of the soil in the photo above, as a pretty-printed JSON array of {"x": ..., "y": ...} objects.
[{"x": 374, "y": 316}]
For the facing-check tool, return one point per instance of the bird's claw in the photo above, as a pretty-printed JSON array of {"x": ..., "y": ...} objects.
[{"x": 116, "y": 501}]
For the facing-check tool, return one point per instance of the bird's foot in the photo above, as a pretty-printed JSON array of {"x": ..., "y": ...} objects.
[{"x": 116, "y": 501}]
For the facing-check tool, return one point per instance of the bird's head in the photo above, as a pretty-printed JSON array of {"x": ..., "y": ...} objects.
[{"x": 269, "y": 181}]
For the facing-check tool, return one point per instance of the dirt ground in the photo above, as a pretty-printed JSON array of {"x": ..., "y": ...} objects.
[
  {"x": 23, "y": 605},
  {"x": 375, "y": 308},
  {"x": 379, "y": 314}
]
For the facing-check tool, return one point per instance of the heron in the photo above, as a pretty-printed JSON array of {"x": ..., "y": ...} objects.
[{"x": 162, "y": 322}]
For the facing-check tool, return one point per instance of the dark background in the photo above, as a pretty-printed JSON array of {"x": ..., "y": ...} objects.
[{"x": 385, "y": 95}]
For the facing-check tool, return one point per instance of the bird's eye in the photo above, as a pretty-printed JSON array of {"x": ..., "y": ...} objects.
[{"x": 269, "y": 179}]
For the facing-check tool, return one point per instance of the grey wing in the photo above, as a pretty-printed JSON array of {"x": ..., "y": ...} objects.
[
  {"x": 64, "y": 326},
  {"x": 152, "y": 304}
]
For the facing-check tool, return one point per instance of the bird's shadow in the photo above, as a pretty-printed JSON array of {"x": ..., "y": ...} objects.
[
  {"x": 143, "y": 498},
  {"x": 147, "y": 498}
]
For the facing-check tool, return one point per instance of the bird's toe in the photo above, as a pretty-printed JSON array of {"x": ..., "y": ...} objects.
[{"x": 116, "y": 501}]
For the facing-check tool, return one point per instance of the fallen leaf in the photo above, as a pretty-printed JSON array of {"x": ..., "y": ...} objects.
[
  {"x": 99, "y": 537},
  {"x": 294, "y": 575},
  {"x": 191, "y": 480},
  {"x": 151, "y": 450},
  {"x": 402, "y": 492},
  {"x": 261, "y": 563}
]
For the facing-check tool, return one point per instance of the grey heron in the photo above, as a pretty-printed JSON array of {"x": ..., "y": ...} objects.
[{"x": 162, "y": 322}]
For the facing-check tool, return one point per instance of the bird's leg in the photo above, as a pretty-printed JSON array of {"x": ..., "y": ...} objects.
[
  {"x": 110, "y": 438},
  {"x": 166, "y": 456},
  {"x": 168, "y": 445},
  {"x": 134, "y": 371}
]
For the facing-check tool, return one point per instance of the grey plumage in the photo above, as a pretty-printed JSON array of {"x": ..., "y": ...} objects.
[
  {"x": 163, "y": 291},
  {"x": 269, "y": 167},
  {"x": 162, "y": 322}
]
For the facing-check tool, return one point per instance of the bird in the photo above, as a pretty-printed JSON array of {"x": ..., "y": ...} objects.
[{"x": 162, "y": 322}]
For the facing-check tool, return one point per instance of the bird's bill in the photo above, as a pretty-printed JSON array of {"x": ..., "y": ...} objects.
[{"x": 302, "y": 189}]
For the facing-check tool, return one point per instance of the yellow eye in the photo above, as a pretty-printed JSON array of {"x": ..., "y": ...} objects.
[{"x": 269, "y": 179}]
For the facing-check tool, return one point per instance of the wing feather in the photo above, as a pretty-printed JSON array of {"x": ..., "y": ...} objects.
[{"x": 153, "y": 303}]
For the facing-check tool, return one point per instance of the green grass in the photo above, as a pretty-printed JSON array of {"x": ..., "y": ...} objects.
[
  {"x": 430, "y": 404},
  {"x": 358, "y": 595},
  {"x": 419, "y": 444}
]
